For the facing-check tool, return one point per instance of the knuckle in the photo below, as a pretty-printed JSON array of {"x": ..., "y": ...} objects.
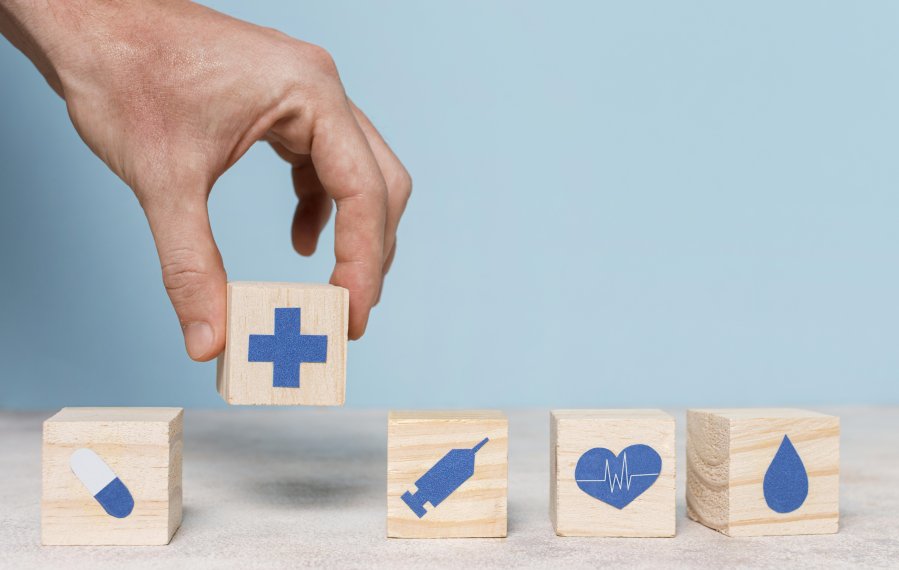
[
  {"x": 405, "y": 182},
  {"x": 400, "y": 182},
  {"x": 184, "y": 274},
  {"x": 316, "y": 85},
  {"x": 319, "y": 59},
  {"x": 276, "y": 34}
]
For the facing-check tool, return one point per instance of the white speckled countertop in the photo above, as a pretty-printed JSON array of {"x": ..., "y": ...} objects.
[{"x": 279, "y": 488}]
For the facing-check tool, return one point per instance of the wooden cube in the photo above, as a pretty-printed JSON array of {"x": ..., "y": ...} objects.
[
  {"x": 286, "y": 344},
  {"x": 111, "y": 476},
  {"x": 754, "y": 472},
  {"x": 612, "y": 473},
  {"x": 447, "y": 474}
]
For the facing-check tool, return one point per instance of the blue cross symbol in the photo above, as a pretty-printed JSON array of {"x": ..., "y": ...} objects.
[{"x": 287, "y": 348}]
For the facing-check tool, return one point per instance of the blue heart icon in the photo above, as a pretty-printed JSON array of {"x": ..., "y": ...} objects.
[{"x": 618, "y": 480}]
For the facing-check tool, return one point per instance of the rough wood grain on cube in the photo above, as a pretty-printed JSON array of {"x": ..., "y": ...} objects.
[
  {"x": 286, "y": 344},
  {"x": 755, "y": 472},
  {"x": 141, "y": 447},
  {"x": 456, "y": 459},
  {"x": 612, "y": 473}
]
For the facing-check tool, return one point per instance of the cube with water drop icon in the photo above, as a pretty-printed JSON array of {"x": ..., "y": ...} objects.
[
  {"x": 612, "y": 473},
  {"x": 111, "y": 476},
  {"x": 757, "y": 472}
]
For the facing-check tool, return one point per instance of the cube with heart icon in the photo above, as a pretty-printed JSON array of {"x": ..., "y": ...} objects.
[
  {"x": 612, "y": 473},
  {"x": 763, "y": 471}
]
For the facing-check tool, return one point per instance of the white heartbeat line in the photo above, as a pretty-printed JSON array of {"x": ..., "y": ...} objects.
[{"x": 624, "y": 478}]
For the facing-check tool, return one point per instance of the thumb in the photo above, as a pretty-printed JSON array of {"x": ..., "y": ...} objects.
[{"x": 192, "y": 271}]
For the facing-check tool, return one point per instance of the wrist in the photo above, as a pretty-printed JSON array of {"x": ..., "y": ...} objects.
[
  {"x": 64, "y": 39},
  {"x": 22, "y": 22}
]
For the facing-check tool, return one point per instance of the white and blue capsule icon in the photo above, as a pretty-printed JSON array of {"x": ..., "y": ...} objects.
[{"x": 102, "y": 483}]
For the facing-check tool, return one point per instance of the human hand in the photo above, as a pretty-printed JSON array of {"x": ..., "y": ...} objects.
[{"x": 170, "y": 94}]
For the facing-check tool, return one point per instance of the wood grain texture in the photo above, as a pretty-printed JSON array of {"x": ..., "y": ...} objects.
[
  {"x": 575, "y": 513},
  {"x": 251, "y": 310},
  {"x": 728, "y": 454},
  {"x": 143, "y": 446},
  {"x": 416, "y": 441}
]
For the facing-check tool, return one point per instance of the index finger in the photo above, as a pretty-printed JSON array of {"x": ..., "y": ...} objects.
[{"x": 349, "y": 173}]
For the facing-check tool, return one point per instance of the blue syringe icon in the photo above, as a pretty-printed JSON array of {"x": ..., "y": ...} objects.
[{"x": 439, "y": 482}]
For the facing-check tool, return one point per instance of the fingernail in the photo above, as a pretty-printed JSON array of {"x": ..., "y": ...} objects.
[{"x": 197, "y": 339}]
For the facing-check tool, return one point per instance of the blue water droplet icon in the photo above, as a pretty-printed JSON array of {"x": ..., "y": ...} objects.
[{"x": 786, "y": 481}]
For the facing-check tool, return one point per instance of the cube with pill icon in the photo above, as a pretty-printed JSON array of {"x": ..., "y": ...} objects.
[
  {"x": 111, "y": 476},
  {"x": 285, "y": 344}
]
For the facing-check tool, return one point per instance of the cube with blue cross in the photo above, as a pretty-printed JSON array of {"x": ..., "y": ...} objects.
[{"x": 286, "y": 344}]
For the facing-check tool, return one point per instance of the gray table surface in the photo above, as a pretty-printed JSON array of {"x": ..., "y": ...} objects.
[{"x": 278, "y": 487}]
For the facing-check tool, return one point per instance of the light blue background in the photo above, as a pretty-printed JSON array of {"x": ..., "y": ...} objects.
[{"x": 616, "y": 204}]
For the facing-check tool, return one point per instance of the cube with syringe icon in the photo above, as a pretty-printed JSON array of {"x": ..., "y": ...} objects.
[
  {"x": 453, "y": 469},
  {"x": 447, "y": 474}
]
